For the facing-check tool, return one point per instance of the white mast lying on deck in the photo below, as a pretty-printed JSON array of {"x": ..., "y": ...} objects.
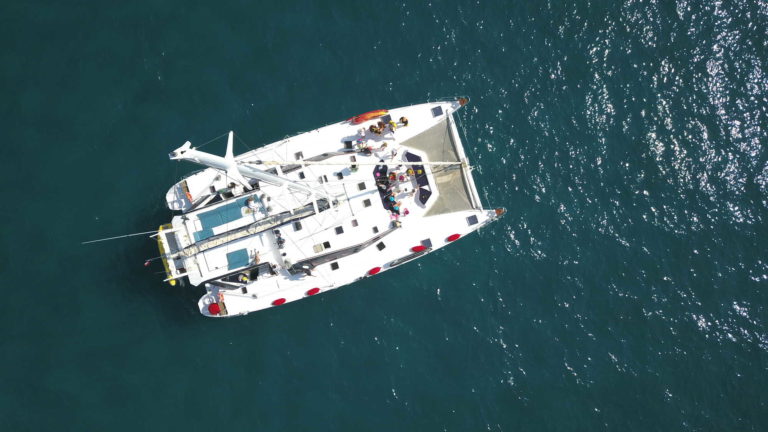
[{"x": 234, "y": 170}]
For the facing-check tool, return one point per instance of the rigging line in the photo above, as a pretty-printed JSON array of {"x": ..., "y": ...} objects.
[
  {"x": 461, "y": 127},
  {"x": 210, "y": 141},
  {"x": 455, "y": 146},
  {"x": 305, "y": 256},
  {"x": 446, "y": 136},
  {"x": 301, "y": 252},
  {"x": 241, "y": 140},
  {"x": 347, "y": 163},
  {"x": 118, "y": 237},
  {"x": 321, "y": 226},
  {"x": 226, "y": 183},
  {"x": 176, "y": 172},
  {"x": 245, "y": 191},
  {"x": 336, "y": 219}
]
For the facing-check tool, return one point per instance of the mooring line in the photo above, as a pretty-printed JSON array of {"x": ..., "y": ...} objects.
[{"x": 118, "y": 237}]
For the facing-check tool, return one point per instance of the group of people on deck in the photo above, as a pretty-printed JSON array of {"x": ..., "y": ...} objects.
[
  {"x": 382, "y": 128},
  {"x": 379, "y": 129},
  {"x": 390, "y": 185}
]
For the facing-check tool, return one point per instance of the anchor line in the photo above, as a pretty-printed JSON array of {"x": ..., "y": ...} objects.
[{"x": 118, "y": 237}]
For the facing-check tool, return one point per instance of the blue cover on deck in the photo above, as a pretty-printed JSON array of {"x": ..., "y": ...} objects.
[
  {"x": 421, "y": 179},
  {"x": 237, "y": 259},
  {"x": 220, "y": 216}
]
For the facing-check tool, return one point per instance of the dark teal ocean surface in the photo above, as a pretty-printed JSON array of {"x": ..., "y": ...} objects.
[{"x": 626, "y": 288}]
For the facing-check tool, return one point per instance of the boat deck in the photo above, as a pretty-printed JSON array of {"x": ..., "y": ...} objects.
[
  {"x": 337, "y": 245},
  {"x": 438, "y": 144}
]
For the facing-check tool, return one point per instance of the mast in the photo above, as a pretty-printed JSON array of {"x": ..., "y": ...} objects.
[{"x": 235, "y": 170}]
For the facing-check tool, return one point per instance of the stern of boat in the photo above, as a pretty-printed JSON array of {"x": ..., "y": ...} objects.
[{"x": 166, "y": 246}]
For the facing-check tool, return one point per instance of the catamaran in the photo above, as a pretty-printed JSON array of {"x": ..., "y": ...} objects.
[{"x": 320, "y": 210}]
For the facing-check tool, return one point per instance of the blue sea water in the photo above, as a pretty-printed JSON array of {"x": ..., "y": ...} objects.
[{"x": 625, "y": 289}]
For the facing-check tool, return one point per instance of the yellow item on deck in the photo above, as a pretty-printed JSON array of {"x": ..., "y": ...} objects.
[{"x": 162, "y": 252}]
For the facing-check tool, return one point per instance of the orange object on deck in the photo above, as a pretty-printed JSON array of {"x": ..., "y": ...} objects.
[{"x": 367, "y": 116}]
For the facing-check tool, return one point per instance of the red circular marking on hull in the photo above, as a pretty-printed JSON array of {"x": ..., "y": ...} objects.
[
  {"x": 214, "y": 309},
  {"x": 313, "y": 291},
  {"x": 278, "y": 302},
  {"x": 374, "y": 270},
  {"x": 418, "y": 248},
  {"x": 453, "y": 237}
]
